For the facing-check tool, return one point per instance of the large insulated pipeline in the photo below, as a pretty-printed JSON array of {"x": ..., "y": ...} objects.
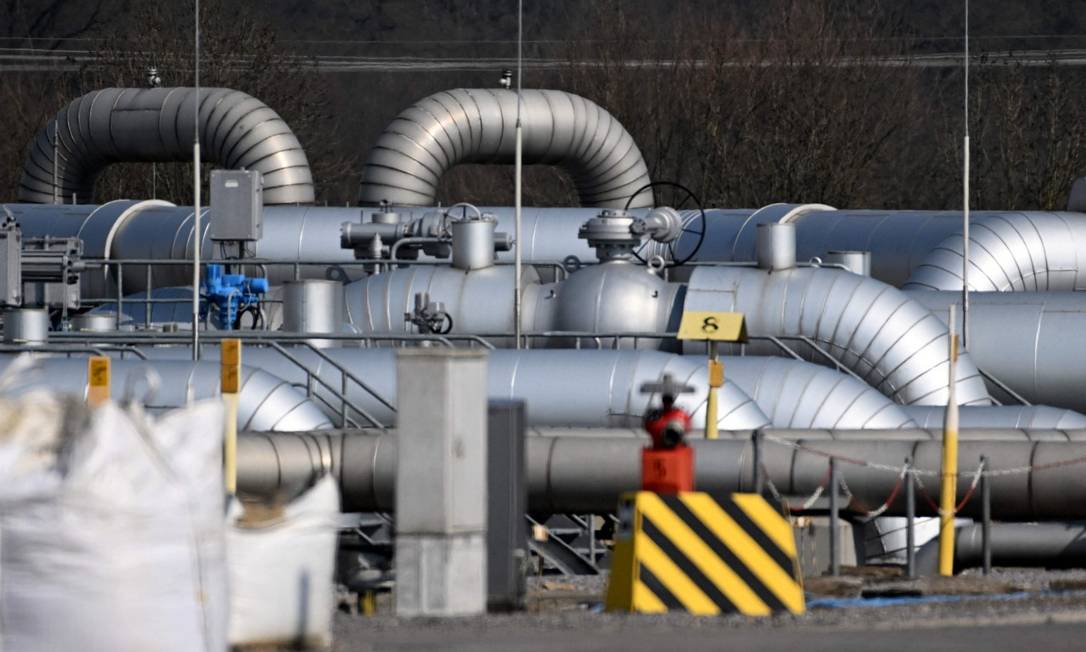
[
  {"x": 1023, "y": 417},
  {"x": 601, "y": 388},
  {"x": 890, "y": 341},
  {"x": 1009, "y": 251},
  {"x": 265, "y": 402},
  {"x": 1027, "y": 340},
  {"x": 582, "y": 474},
  {"x": 458, "y": 126},
  {"x": 1045, "y": 545},
  {"x": 561, "y": 388},
  {"x": 879, "y": 333},
  {"x": 116, "y": 125}
]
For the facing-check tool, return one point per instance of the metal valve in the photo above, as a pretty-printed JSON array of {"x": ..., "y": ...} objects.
[{"x": 429, "y": 316}]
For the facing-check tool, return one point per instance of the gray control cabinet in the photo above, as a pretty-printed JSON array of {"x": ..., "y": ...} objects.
[
  {"x": 237, "y": 205},
  {"x": 11, "y": 278}
]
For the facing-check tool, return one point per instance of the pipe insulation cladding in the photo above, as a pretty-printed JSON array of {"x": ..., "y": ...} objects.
[
  {"x": 587, "y": 474},
  {"x": 116, "y": 125},
  {"x": 457, "y": 126},
  {"x": 560, "y": 387},
  {"x": 1009, "y": 251},
  {"x": 888, "y": 340},
  {"x": 265, "y": 402}
]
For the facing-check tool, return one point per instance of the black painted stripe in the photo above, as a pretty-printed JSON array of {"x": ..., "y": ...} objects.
[
  {"x": 653, "y": 584},
  {"x": 761, "y": 538},
  {"x": 720, "y": 549},
  {"x": 653, "y": 532}
]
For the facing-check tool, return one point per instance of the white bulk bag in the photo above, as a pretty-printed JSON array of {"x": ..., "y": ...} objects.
[
  {"x": 111, "y": 528},
  {"x": 282, "y": 571}
]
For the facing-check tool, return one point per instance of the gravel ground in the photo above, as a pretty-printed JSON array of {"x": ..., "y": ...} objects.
[{"x": 564, "y": 614}]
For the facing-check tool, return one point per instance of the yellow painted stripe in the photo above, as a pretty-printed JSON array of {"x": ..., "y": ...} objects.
[
  {"x": 772, "y": 523},
  {"x": 776, "y": 579},
  {"x": 672, "y": 577},
  {"x": 702, "y": 556},
  {"x": 645, "y": 601}
]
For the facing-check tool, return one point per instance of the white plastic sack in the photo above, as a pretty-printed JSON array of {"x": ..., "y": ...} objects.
[
  {"x": 282, "y": 572},
  {"x": 111, "y": 528}
]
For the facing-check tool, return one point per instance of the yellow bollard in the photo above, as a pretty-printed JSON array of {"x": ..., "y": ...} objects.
[
  {"x": 97, "y": 380},
  {"x": 230, "y": 361},
  {"x": 949, "y": 475},
  {"x": 716, "y": 381}
]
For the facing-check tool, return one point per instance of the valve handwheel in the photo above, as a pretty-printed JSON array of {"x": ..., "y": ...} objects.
[{"x": 687, "y": 196}]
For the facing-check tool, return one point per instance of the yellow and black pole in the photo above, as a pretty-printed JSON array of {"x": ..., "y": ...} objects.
[
  {"x": 949, "y": 475},
  {"x": 97, "y": 380},
  {"x": 230, "y": 357}
]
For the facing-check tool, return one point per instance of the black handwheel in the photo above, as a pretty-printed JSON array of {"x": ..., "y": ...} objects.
[{"x": 687, "y": 196}]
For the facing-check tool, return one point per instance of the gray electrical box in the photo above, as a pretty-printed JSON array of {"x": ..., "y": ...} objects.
[{"x": 237, "y": 205}]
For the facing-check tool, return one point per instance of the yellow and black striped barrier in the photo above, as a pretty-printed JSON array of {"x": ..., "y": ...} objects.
[{"x": 690, "y": 552}]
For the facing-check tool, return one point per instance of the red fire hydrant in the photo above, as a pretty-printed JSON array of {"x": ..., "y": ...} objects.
[{"x": 667, "y": 466}]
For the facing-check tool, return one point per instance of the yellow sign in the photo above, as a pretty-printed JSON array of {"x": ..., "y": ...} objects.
[
  {"x": 97, "y": 380},
  {"x": 230, "y": 356},
  {"x": 708, "y": 325},
  {"x": 690, "y": 552}
]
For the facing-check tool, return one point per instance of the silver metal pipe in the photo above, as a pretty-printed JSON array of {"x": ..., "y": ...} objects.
[
  {"x": 265, "y": 402},
  {"x": 797, "y": 394},
  {"x": 1046, "y": 545},
  {"x": 1028, "y": 417},
  {"x": 115, "y": 125},
  {"x": 883, "y": 336},
  {"x": 588, "y": 474},
  {"x": 1010, "y": 251},
  {"x": 1026, "y": 340},
  {"x": 565, "y": 388},
  {"x": 458, "y": 126}
]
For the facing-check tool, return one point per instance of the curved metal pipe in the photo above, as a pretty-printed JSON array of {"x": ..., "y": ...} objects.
[
  {"x": 797, "y": 394},
  {"x": 458, "y": 126},
  {"x": 890, "y": 341},
  {"x": 116, "y": 125},
  {"x": 588, "y": 474},
  {"x": 265, "y": 402},
  {"x": 1044, "y": 545}
]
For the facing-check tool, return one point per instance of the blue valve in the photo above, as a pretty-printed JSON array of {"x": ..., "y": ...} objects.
[{"x": 229, "y": 296}]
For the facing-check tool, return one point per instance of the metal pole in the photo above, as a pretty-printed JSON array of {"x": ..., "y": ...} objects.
[
  {"x": 965, "y": 194},
  {"x": 986, "y": 514},
  {"x": 835, "y": 561},
  {"x": 196, "y": 195},
  {"x": 716, "y": 379},
  {"x": 756, "y": 461},
  {"x": 56, "y": 161},
  {"x": 910, "y": 520},
  {"x": 517, "y": 326},
  {"x": 949, "y": 485}
]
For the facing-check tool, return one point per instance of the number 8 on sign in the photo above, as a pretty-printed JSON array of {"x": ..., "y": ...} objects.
[{"x": 717, "y": 326}]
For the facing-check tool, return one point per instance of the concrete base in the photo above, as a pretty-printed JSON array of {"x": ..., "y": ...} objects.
[
  {"x": 813, "y": 544},
  {"x": 440, "y": 575}
]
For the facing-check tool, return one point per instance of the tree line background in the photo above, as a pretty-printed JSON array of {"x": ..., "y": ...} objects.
[{"x": 747, "y": 102}]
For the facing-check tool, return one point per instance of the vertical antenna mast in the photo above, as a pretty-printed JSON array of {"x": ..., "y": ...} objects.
[
  {"x": 516, "y": 184},
  {"x": 196, "y": 197},
  {"x": 965, "y": 194}
]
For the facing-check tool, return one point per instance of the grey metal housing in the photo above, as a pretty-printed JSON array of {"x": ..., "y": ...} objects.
[
  {"x": 115, "y": 125},
  {"x": 457, "y": 126}
]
